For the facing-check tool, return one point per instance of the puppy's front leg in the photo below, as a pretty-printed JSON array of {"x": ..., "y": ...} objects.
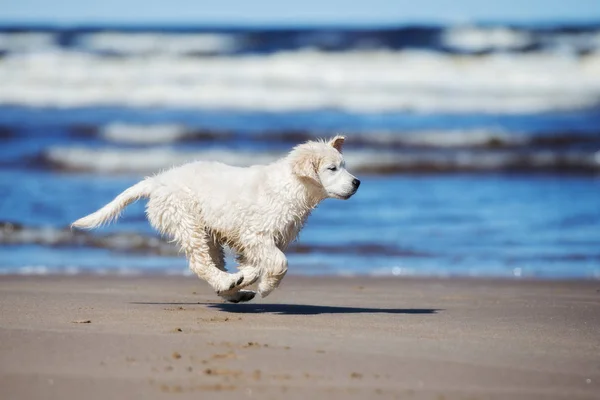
[
  {"x": 240, "y": 296},
  {"x": 275, "y": 267},
  {"x": 251, "y": 275}
]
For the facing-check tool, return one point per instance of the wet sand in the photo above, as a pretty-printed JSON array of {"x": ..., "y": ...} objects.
[{"x": 335, "y": 338}]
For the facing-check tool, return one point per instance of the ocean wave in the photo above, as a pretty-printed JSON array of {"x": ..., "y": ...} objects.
[
  {"x": 356, "y": 81},
  {"x": 74, "y": 270},
  {"x": 26, "y": 41},
  {"x": 442, "y": 139},
  {"x": 453, "y": 39},
  {"x": 144, "y": 43},
  {"x": 578, "y": 42},
  {"x": 479, "y": 39},
  {"x": 147, "y": 161},
  {"x": 172, "y": 133},
  {"x": 144, "y": 134},
  {"x": 490, "y": 39},
  {"x": 157, "y": 134},
  {"x": 154, "y": 134},
  {"x": 142, "y": 160},
  {"x": 17, "y": 234},
  {"x": 133, "y": 242}
]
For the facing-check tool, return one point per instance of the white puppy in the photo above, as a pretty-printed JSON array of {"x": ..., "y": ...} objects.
[{"x": 256, "y": 211}]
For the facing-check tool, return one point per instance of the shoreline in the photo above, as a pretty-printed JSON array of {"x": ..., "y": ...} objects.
[
  {"x": 320, "y": 337},
  {"x": 187, "y": 274}
]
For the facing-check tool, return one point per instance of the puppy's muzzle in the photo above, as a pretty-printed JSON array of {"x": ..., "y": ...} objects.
[{"x": 355, "y": 185}]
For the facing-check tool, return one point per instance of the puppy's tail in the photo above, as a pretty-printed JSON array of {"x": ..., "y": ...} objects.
[{"x": 112, "y": 210}]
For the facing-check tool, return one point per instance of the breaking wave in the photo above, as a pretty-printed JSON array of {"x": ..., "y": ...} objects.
[
  {"x": 196, "y": 41},
  {"x": 133, "y": 242},
  {"x": 26, "y": 41},
  {"x": 144, "y": 134},
  {"x": 144, "y": 161},
  {"x": 162, "y": 134},
  {"x": 144, "y": 43},
  {"x": 477, "y": 39},
  {"x": 16, "y": 234},
  {"x": 356, "y": 81},
  {"x": 136, "y": 134}
]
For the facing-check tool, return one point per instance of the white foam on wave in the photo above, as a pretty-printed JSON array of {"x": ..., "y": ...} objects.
[
  {"x": 476, "y": 39},
  {"x": 25, "y": 41},
  {"x": 144, "y": 134},
  {"x": 73, "y": 270},
  {"x": 356, "y": 81},
  {"x": 142, "y": 161},
  {"x": 473, "y": 39},
  {"x": 33, "y": 270},
  {"x": 158, "y": 43},
  {"x": 570, "y": 43},
  {"x": 444, "y": 139},
  {"x": 110, "y": 160},
  {"x": 440, "y": 273},
  {"x": 388, "y": 272},
  {"x": 169, "y": 133}
]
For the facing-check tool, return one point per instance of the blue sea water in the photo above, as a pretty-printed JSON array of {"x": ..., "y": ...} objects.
[{"x": 478, "y": 148}]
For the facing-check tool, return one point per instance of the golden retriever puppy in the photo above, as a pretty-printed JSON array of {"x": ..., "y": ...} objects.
[{"x": 256, "y": 211}]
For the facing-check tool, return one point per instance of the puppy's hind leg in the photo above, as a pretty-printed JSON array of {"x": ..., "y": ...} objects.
[
  {"x": 218, "y": 257},
  {"x": 273, "y": 268},
  {"x": 173, "y": 214},
  {"x": 196, "y": 246},
  {"x": 216, "y": 253}
]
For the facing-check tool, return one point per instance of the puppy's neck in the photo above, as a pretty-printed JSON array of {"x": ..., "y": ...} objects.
[
  {"x": 306, "y": 190},
  {"x": 290, "y": 198},
  {"x": 298, "y": 195}
]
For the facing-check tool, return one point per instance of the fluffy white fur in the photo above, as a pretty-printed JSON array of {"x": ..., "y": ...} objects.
[{"x": 256, "y": 211}]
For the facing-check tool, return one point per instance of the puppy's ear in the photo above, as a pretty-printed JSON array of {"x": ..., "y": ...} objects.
[
  {"x": 305, "y": 165},
  {"x": 337, "y": 142}
]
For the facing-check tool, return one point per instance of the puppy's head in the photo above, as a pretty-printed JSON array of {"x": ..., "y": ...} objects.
[{"x": 321, "y": 165}]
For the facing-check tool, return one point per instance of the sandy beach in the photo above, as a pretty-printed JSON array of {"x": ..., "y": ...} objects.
[{"x": 336, "y": 338}]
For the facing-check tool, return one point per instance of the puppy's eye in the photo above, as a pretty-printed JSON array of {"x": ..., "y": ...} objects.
[{"x": 332, "y": 168}]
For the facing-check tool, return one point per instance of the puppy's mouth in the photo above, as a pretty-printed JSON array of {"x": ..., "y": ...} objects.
[{"x": 344, "y": 196}]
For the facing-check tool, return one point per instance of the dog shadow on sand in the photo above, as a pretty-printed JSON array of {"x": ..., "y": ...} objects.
[
  {"x": 300, "y": 309},
  {"x": 305, "y": 309},
  {"x": 297, "y": 309}
]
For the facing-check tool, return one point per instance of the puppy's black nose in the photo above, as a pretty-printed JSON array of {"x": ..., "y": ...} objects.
[{"x": 356, "y": 183}]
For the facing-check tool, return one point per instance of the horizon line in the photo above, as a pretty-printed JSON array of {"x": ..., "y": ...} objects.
[{"x": 232, "y": 24}]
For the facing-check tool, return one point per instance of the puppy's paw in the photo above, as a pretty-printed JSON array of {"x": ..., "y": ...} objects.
[
  {"x": 265, "y": 287},
  {"x": 270, "y": 282},
  {"x": 230, "y": 284},
  {"x": 250, "y": 275},
  {"x": 234, "y": 282},
  {"x": 240, "y": 297}
]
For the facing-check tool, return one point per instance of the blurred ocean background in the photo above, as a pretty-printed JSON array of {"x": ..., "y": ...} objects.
[{"x": 478, "y": 145}]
